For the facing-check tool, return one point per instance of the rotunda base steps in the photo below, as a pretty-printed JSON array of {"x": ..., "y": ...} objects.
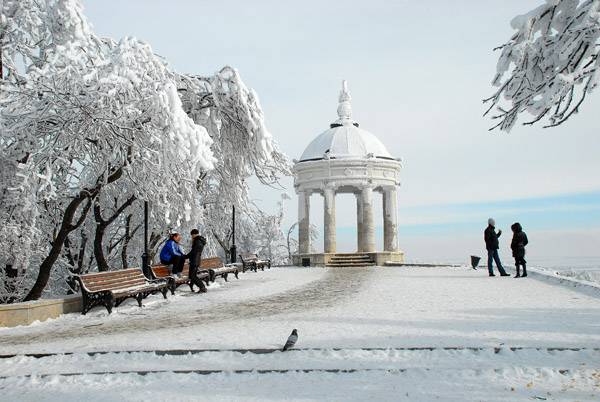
[
  {"x": 366, "y": 259},
  {"x": 350, "y": 260}
]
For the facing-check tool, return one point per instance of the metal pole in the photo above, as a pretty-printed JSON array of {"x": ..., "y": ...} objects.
[
  {"x": 145, "y": 256},
  {"x": 233, "y": 250}
]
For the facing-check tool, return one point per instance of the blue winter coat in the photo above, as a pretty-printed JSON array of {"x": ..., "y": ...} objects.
[{"x": 170, "y": 249}]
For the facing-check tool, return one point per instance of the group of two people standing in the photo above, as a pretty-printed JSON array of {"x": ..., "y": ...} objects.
[
  {"x": 517, "y": 245},
  {"x": 171, "y": 254}
]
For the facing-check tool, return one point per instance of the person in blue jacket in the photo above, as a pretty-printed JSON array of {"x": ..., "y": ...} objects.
[{"x": 171, "y": 254}]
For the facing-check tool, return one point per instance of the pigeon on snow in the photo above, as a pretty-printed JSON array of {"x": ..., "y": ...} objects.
[{"x": 291, "y": 340}]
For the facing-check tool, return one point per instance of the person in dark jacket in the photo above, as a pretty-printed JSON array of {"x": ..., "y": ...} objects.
[
  {"x": 491, "y": 244},
  {"x": 171, "y": 254},
  {"x": 518, "y": 243},
  {"x": 195, "y": 255}
]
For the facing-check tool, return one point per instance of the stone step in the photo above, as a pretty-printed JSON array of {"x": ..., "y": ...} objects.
[
  {"x": 353, "y": 263},
  {"x": 351, "y": 257},
  {"x": 351, "y": 260}
]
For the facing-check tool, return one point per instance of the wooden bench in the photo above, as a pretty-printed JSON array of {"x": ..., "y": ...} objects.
[
  {"x": 217, "y": 268},
  {"x": 164, "y": 272},
  {"x": 111, "y": 288},
  {"x": 252, "y": 262}
]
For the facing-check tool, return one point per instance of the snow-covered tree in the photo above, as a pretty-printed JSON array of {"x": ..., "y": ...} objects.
[
  {"x": 96, "y": 115},
  {"x": 292, "y": 243},
  {"x": 549, "y": 65},
  {"x": 90, "y": 128},
  {"x": 29, "y": 31},
  {"x": 243, "y": 147}
]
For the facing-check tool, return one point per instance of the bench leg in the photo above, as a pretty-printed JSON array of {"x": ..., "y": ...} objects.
[
  {"x": 236, "y": 275},
  {"x": 87, "y": 304},
  {"x": 224, "y": 277},
  {"x": 164, "y": 292},
  {"x": 172, "y": 286},
  {"x": 87, "y": 307},
  {"x": 109, "y": 303},
  {"x": 139, "y": 298}
]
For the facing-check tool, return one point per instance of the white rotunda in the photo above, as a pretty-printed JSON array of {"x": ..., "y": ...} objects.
[{"x": 348, "y": 159}]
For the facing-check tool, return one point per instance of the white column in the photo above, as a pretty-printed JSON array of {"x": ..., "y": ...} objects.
[
  {"x": 329, "y": 220},
  {"x": 303, "y": 222},
  {"x": 359, "y": 223},
  {"x": 368, "y": 225},
  {"x": 390, "y": 220}
]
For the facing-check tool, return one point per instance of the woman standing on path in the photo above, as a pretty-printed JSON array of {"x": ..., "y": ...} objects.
[{"x": 518, "y": 243}]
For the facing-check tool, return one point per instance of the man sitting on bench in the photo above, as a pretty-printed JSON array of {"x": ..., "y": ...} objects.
[{"x": 171, "y": 254}]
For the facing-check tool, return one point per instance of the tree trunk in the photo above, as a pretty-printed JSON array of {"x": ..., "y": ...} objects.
[
  {"x": 101, "y": 225},
  {"x": 66, "y": 227},
  {"x": 224, "y": 245},
  {"x": 81, "y": 254},
  {"x": 126, "y": 239}
]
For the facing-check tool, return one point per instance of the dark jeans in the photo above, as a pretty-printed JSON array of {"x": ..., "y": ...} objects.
[
  {"x": 195, "y": 280},
  {"x": 177, "y": 261},
  {"x": 493, "y": 255}
]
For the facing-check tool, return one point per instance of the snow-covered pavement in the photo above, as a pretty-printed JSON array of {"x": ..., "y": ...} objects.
[{"x": 505, "y": 331}]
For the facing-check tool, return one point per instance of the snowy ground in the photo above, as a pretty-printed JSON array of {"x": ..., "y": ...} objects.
[{"x": 362, "y": 334}]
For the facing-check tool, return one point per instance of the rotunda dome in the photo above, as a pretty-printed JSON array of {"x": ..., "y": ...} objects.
[{"x": 345, "y": 139}]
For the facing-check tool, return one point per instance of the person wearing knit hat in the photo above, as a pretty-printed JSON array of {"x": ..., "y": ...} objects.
[{"x": 492, "y": 244}]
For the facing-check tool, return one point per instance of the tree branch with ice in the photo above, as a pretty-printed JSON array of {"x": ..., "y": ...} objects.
[{"x": 549, "y": 65}]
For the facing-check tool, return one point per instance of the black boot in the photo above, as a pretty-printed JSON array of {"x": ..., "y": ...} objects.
[
  {"x": 518, "y": 275},
  {"x": 524, "y": 271}
]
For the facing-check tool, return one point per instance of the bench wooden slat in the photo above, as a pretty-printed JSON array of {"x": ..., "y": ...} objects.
[
  {"x": 112, "y": 287},
  {"x": 211, "y": 262},
  {"x": 116, "y": 285},
  {"x": 122, "y": 272},
  {"x": 161, "y": 271},
  {"x": 108, "y": 284}
]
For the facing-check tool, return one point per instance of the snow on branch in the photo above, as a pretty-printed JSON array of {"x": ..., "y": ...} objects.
[{"x": 549, "y": 65}]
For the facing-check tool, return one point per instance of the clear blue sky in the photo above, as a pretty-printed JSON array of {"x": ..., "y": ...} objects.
[{"x": 417, "y": 73}]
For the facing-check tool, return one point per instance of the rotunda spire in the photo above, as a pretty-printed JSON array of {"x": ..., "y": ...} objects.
[{"x": 344, "y": 109}]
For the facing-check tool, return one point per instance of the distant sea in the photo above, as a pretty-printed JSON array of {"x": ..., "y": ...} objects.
[{"x": 582, "y": 268}]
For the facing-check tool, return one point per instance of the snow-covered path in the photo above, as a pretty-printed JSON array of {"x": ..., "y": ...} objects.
[
  {"x": 487, "y": 374},
  {"x": 485, "y": 338},
  {"x": 339, "y": 308},
  {"x": 302, "y": 360}
]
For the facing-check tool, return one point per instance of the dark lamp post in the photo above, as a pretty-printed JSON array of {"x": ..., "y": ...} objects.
[
  {"x": 233, "y": 250},
  {"x": 146, "y": 256}
]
